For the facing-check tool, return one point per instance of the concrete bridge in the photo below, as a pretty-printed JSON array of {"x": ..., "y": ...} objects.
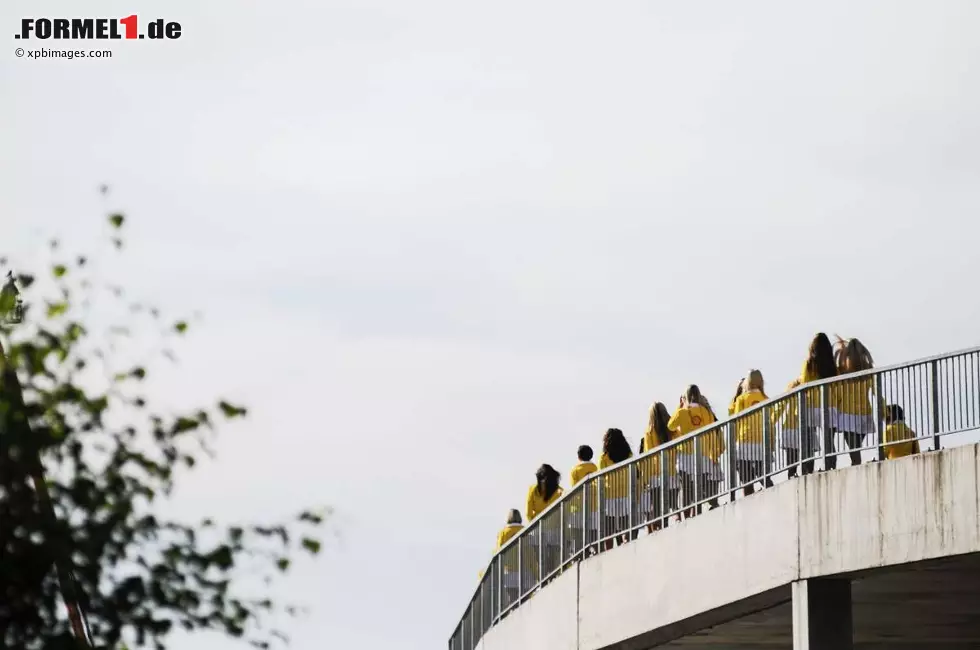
[
  {"x": 885, "y": 553},
  {"x": 882, "y": 555}
]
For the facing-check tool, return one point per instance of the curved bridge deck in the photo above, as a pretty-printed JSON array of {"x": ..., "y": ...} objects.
[{"x": 886, "y": 550}]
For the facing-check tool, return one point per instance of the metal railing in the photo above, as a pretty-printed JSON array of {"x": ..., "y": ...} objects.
[{"x": 820, "y": 425}]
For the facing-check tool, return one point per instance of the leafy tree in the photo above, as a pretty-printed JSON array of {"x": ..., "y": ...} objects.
[{"x": 87, "y": 529}]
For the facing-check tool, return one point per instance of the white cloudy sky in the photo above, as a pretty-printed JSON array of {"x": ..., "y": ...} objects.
[{"x": 471, "y": 237}]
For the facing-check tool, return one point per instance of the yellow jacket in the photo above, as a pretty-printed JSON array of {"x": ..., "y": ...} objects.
[
  {"x": 510, "y": 557},
  {"x": 616, "y": 483},
  {"x": 578, "y": 473},
  {"x": 582, "y": 470},
  {"x": 536, "y": 504},
  {"x": 691, "y": 418},
  {"x": 748, "y": 430},
  {"x": 895, "y": 432},
  {"x": 653, "y": 465},
  {"x": 786, "y": 411},
  {"x": 854, "y": 396},
  {"x": 506, "y": 533}
]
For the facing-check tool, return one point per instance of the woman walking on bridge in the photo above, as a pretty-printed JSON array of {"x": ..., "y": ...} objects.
[
  {"x": 660, "y": 478},
  {"x": 819, "y": 365},
  {"x": 853, "y": 399},
  {"x": 699, "y": 471},
  {"x": 615, "y": 485}
]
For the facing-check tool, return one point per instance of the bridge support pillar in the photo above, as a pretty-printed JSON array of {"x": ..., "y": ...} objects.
[{"x": 822, "y": 617}]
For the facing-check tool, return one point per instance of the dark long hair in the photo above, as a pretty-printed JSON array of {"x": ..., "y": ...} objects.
[
  {"x": 615, "y": 446},
  {"x": 548, "y": 479},
  {"x": 659, "y": 417},
  {"x": 821, "y": 361}
]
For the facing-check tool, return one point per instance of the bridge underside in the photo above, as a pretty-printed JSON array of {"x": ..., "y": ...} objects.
[{"x": 932, "y": 605}]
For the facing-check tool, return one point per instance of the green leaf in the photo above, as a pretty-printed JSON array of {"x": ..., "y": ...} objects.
[
  {"x": 311, "y": 545},
  {"x": 180, "y": 326},
  {"x": 138, "y": 372},
  {"x": 283, "y": 564},
  {"x": 230, "y": 410},
  {"x": 116, "y": 220},
  {"x": 59, "y": 270},
  {"x": 56, "y": 309},
  {"x": 311, "y": 517}
]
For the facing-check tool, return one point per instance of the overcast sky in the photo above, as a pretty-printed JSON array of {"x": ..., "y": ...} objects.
[{"x": 474, "y": 236}]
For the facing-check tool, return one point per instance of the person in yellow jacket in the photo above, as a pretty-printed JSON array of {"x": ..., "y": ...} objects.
[
  {"x": 578, "y": 533},
  {"x": 657, "y": 434},
  {"x": 900, "y": 440},
  {"x": 750, "y": 450},
  {"x": 819, "y": 365},
  {"x": 546, "y": 491},
  {"x": 853, "y": 398},
  {"x": 509, "y": 567},
  {"x": 695, "y": 413},
  {"x": 615, "y": 484},
  {"x": 585, "y": 465},
  {"x": 513, "y": 527}
]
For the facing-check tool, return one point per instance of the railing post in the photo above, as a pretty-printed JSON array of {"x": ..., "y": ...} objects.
[
  {"x": 601, "y": 516},
  {"x": 499, "y": 588},
  {"x": 586, "y": 503},
  {"x": 879, "y": 417},
  {"x": 697, "y": 470},
  {"x": 631, "y": 485},
  {"x": 935, "y": 406},
  {"x": 663, "y": 488},
  {"x": 825, "y": 428},
  {"x": 561, "y": 537},
  {"x": 540, "y": 551},
  {"x": 766, "y": 441},
  {"x": 483, "y": 611},
  {"x": 520, "y": 569},
  {"x": 733, "y": 479},
  {"x": 803, "y": 435}
]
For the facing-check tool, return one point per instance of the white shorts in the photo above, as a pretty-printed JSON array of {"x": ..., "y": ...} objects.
[
  {"x": 750, "y": 451},
  {"x": 550, "y": 536},
  {"x": 511, "y": 580},
  {"x": 645, "y": 502},
  {"x": 688, "y": 464},
  {"x": 592, "y": 520},
  {"x": 671, "y": 482},
  {"x": 618, "y": 507},
  {"x": 789, "y": 434},
  {"x": 850, "y": 423}
]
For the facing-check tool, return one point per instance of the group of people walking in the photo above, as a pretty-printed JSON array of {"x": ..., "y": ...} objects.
[{"x": 846, "y": 408}]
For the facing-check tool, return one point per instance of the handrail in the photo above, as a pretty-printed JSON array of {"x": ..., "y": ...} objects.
[
  {"x": 937, "y": 393},
  {"x": 761, "y": 406}
]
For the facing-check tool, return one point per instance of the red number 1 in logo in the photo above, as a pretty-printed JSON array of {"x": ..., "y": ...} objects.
[{"x": 130, "y": 23}]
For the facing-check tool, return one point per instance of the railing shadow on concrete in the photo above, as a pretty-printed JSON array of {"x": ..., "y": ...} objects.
[{"x": 810, "y": 428}]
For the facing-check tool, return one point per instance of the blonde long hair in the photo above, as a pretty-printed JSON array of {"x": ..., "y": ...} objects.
[
  {"x": 693, "y": 396},
  {"x": 659, "y": 417},
  {"x": 851, "y": 355}
]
